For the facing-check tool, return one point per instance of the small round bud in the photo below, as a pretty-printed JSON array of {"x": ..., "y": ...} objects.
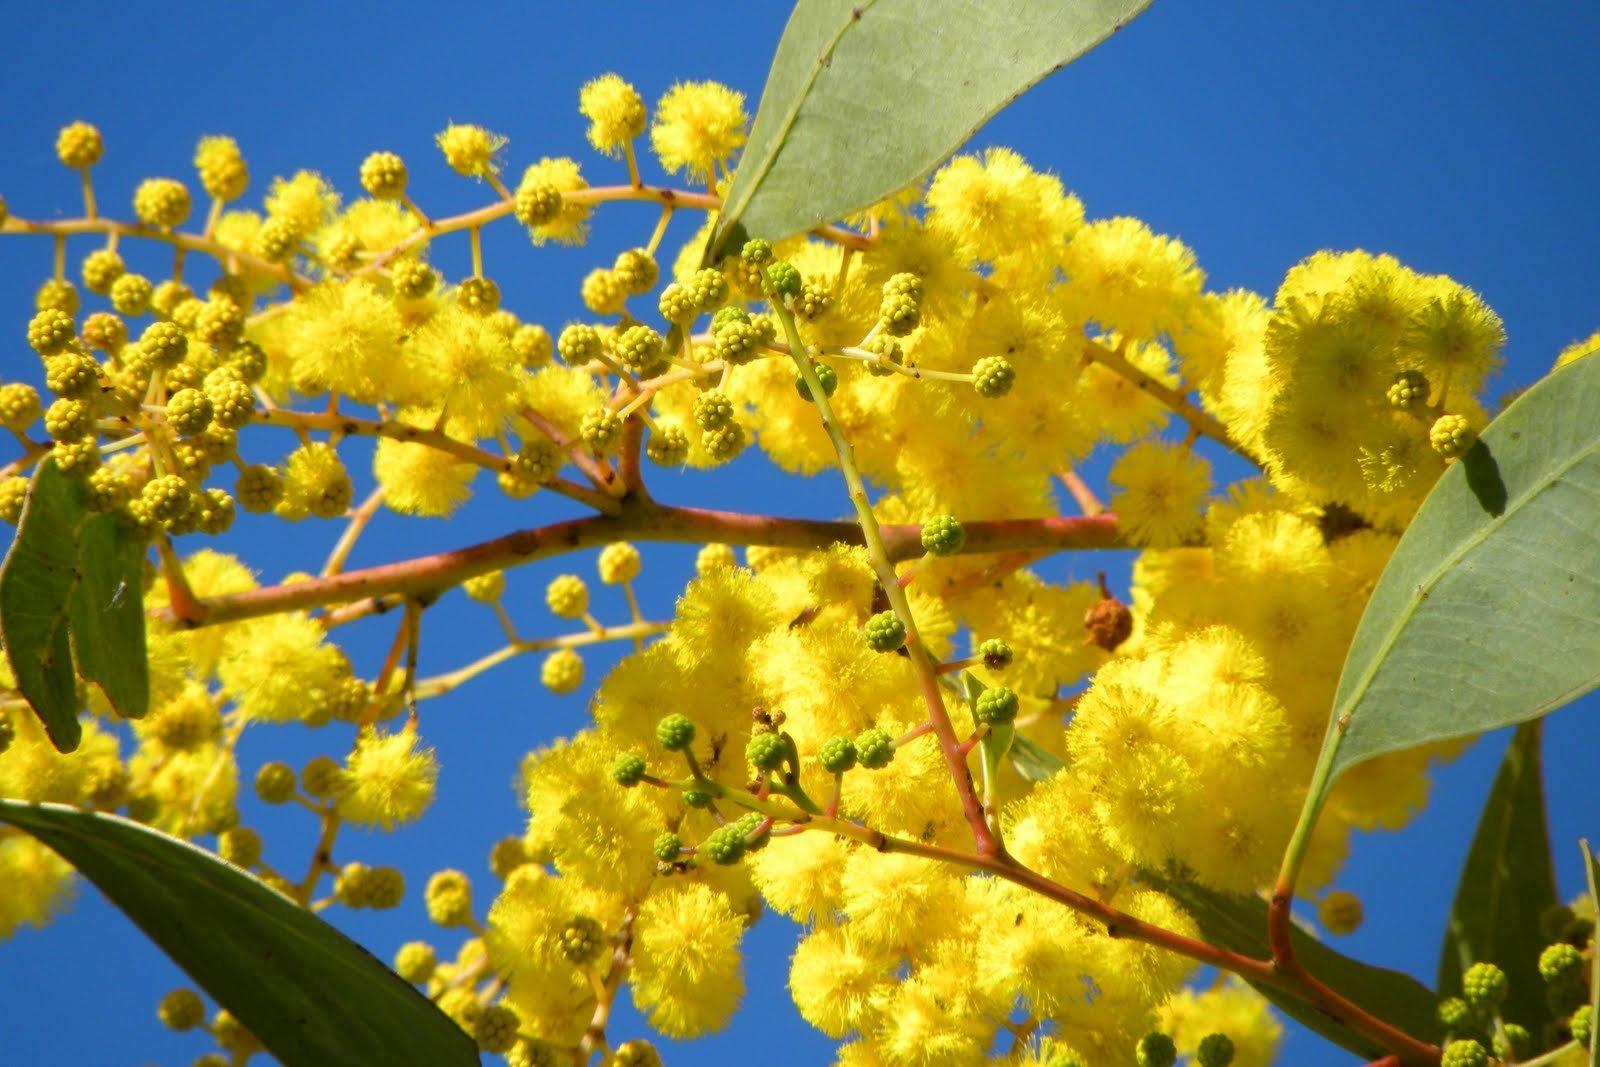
[
  {"x": 813, "y": 302},
  {"x": 412, "y": 279},
  {"x": 19, "y": 405},
  {"x": 161, "y": 202},
  {"x": 676, "y": 304},
  {"x": 13, "y": 495},
  {"x": 319, "y": 776},
  {"x": 73, "y": 373},
  {"x": 708, "y": 289},
  {"x": 1155, "y": 1049},
  {"x": 756, "y": 251},
  {"x": 1455, "y": 1014},
  {"x": 885, "y": 632},
  {"x": 825, "y": 375},
  {"x": 601, "y": 431},
  {"x": 898, "y": 314},
  {"x": 904, "y": 284},
  {"x": 635, "y": 1054},
  {"x": 478, "y": 296},
  {"x": 725, "y": 442},
  {"x": 785, "y": 279},
  {"x": 1484, "y": 985},
  {"x": 1582, "y": 1025},
  {"x": 1451, "y": 435},
  {"x": 131, "y": 294},
  {"x": 995, "y": 654},
  {"x": 1513, "y": 1042},
  {"x": 636, "y": 271},
  {"x": 69, "y": 419},
  {"x": 275, "y": 783},
  {"x": 508, "y": 854},
  {"x": 449, "y": 898},
  {"x": 628, "y": 769},
  {"x": 838, "y": 755},
  {"x": 50, "y": 331},
  {"x": 668, "y": 446},
  {"x": 105, "y": 332},
  {"x": 874, "y": 749},
  {"x": 486, "y": 588},
  {"x": 532, "y": 345},
  {"x": 1464, "y": 1054},
  {"x": 1216, "y": 1050},
  {"x": 415, "y": 962},
  {"x": 667, "y": 847},
  {"x": 562, "y": 671},
  {"x": 712, "y": 409},
  {"x": 639, "y": 348},
  {"x": 383, "y": 176},
  {"x": 537, "y": 203},
  {"x": 697, "y": 798},
  {"x": 222, "y": 170},
  {"x": 943, "y": 535},
  {"x": 181, "y": 1009},
  {"x": 79, "y": 459},
  {"x": 259, "y": 488},
  {"x": 675, "y": 732},
  {"x": 567, "y": 596},
  {"x": 767, "y": 751},
  {"x": 992, "y": 376},
  {"x": 101, "y": 269},
  {"x": 189, "y": 411},
  {"x": 1560, "y": 963},
  {"x": 79, "y": 145},
  {"x": 995, "y": 707},
  {"x": 496, "y": 1029},
  {"x": 1410, "y": 390},
  {"x": 619, "y": 562},
  {"x": 582, "y": 940},
  {"x": 58, "y": 294},
  {"x": 736, "y": 341},
  {"x": 714, "y": 557},
  {"x": 1339, "y": 912},
  {"x": 725, "y": 845},
  {"x": 164, "y": 344}
]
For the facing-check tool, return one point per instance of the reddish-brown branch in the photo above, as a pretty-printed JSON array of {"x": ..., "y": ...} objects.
[{"x": 639, "y": 519}]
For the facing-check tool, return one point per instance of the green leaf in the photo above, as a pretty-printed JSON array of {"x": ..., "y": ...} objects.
[
  {"x": 36, "y": 583},
  {"x": 107, "y": 616},
  {"x": 866, "y": 97},
  {"x": 308, "y": 992},
  {"x": 1507, "y": 881},
  {"x": 1033, "y": 761},
  {"x": 72, "y": 582},
  {"x": 1238, "y": 922},
  {"x": 1485, "y": 616}
]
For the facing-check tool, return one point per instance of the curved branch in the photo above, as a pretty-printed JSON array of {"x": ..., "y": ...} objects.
[{"x": 639, "y": 519}]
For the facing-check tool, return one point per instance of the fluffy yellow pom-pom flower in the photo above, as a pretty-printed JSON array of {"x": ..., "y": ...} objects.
[
  {"x": 1163, "y": 487},
  {"x": 469, "y": 149},
  {"x": 387, "y": 781},
  {"x": 615, "y": 111},
  {"x": 421, "y": 480},
  {"x": 698, "y": 125},
  {"x": 686, "y": 976}
]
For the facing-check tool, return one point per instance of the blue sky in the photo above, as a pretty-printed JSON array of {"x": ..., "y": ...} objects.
[{"x": 1461, "y": 138}]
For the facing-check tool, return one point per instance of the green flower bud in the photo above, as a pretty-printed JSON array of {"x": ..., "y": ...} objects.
[
  {"x": 874, "y": 749},
  {"x": 675, "y": 732},
  {"x": 838, "y": 755},
  {"x": 885, "y": 632}
]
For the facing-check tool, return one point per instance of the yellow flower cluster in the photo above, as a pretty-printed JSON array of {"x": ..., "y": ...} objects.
[{"x": 1185, "y": 748}]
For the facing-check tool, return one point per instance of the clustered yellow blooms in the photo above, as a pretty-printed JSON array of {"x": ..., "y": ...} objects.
[{"x": 1186, "y": 747}]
